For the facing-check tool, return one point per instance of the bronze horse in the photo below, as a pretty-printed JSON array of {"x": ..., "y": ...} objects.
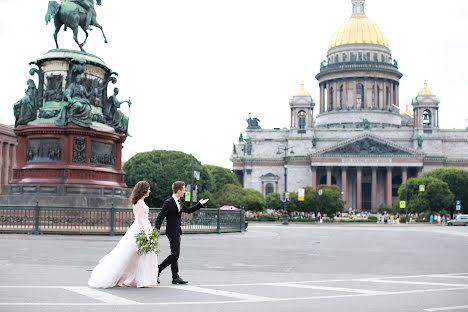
[{"x": 72, "y": 15}]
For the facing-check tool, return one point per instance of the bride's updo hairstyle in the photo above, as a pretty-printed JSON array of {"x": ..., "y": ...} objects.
[{"x": 139, "y": 190}]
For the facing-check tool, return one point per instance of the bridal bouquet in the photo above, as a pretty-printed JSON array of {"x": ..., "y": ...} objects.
[{"x": 147, "y": 241}]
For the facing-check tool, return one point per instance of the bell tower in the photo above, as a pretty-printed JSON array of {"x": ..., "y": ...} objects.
[
  {"x": 302, "y": 110},
  {"x": 426, "y": 109}
]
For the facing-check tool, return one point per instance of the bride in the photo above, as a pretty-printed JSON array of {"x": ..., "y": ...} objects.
[{"x": 123, "y": 266}]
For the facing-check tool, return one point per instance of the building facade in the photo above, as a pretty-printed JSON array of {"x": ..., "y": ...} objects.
[
  {"x": 359, "y": 140},
  {"x": 8, "y": 145}
]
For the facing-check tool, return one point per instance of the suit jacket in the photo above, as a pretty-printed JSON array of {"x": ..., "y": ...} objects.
[{"x": 171, "y": 213}]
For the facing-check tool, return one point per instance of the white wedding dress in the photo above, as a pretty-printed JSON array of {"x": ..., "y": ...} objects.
[{"x": 123, "y": 266}]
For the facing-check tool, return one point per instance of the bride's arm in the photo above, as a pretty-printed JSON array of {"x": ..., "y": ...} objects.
[{"x": 140, "y": 214}]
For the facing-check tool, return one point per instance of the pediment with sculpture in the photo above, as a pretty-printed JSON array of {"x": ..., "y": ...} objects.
[{"x": 368, "y": 145}]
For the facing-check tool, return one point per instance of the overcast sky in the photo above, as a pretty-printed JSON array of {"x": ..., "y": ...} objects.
[{"x": 196, "y": 69}]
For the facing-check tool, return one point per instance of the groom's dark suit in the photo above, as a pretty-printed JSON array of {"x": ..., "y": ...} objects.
[{"x": 171, "y": 213}]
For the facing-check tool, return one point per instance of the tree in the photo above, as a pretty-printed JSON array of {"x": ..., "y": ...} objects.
[
  {"x": 161, "y": 168},
  {"x": 235, "y": 195},
  {"x": 220, "y": 176},
  {"x": 273, "y": 201},
  {"x": 329, "y": 202},
  {"x": 311, "y": 200},
  {"x": 457, "y": 180},
  {"x": 436, "y": 197}
]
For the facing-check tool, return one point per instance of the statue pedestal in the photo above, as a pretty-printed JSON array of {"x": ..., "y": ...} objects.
[{"x": 71, "y": 165}]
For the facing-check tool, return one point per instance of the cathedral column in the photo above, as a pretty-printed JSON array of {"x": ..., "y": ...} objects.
[
  {"x": 359, "y": 189},
  {"x": 385, "y": 104},
  {"x": 344, "y": 183},
  {"x": 392, "y": 99},
  {"x": 345, "y": 94},
  {"x": 329, "y": 176},
  {"x": 374, "y": 189},
  {"x": 314, "y": 177},
  {"x": 6, "y": 163},
  {"x": 376, "y": 94},
  {"x": 335, "y": 98},
  {"x": 321, "y": 97},
  {"x": 404, "y": 175},
  {"x": 12, "y": 148},
  {"x": 388, "y": 184},
  {"x": 355, "y": 95},
  {"x": 397, "y": 95},
  {"x": 364, "y": 95},
  {"x": 1, "y": 164}
]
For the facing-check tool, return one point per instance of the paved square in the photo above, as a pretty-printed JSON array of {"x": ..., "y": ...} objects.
[{"x": 269, "y": 268}]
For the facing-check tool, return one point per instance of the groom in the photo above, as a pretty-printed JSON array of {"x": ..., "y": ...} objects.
[{"x": 171, "y": 211}]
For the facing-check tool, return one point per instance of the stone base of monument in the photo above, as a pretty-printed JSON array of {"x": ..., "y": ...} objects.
[
  {"x": 64, "y": 196},
  {"x": 70, "y": 136}
]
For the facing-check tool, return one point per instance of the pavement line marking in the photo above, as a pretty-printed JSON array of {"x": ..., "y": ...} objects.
[
  {"x": 225, "y": 302},
  {"x": 409, "y": 276},
  {"x": 413, "y": 283},
  {"x": 100, "y": 295},
  {"x": 448, "y": 308},
  {"x": 353, "y": 290},
  {"x": 224, "y": 293}
]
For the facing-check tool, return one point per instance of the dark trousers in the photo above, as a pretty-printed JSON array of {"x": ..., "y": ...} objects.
[{"x": 174, "y": 242}]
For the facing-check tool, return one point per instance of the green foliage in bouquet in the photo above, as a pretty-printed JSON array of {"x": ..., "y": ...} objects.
[{"x": 147, "y": 242}]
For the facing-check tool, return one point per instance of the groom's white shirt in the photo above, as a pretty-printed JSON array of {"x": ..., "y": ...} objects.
[{"x": 176, "y": 201}]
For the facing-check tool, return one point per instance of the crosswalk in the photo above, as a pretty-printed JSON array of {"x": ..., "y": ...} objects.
[{"x": 243, "y": 293}]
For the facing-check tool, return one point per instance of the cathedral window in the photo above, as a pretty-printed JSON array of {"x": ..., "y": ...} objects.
[
  {"x": 378, "y": 96},
  {"x": 368, "y": 56},
  {"x": 302, "y": 119},
  {"x": 331, "y": 98},
  {"x": 376, "y": 57},
  {"x": 360, "y": 56},
  {"x": 341, "y": 96},
  {"x": 336, "y": 58},
  {"x": 383, "y": 58},
  {"x": 387, "y": 96},
  {"x": 269, "y": 188},
  {"x": 360, "y": 95}
]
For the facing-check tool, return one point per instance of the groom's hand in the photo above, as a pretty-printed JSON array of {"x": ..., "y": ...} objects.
[{"x": 203, "y": 201}]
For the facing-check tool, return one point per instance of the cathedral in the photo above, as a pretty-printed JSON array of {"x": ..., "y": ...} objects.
[{"x": 359, "y": 140}]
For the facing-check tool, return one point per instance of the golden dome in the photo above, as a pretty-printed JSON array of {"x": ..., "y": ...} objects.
[
  {"x": 302, "y": 91},
  {"x": 358, "y": 29},
  {"x": 425, "y": 91}
]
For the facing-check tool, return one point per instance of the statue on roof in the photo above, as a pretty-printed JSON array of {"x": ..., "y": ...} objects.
[{"x": 252, "y": 123}]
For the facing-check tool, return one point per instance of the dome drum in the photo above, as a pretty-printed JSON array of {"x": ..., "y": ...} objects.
[{"x": 355, "y": 118}]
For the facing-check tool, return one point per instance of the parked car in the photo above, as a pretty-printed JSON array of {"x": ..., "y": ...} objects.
[{"x": 461, "y": 219}]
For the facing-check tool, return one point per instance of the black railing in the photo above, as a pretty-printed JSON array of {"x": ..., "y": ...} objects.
[{"x": 108, "y": 221}]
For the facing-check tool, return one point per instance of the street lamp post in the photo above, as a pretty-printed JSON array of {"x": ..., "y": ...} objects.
[{"x": 285, "y": 207}]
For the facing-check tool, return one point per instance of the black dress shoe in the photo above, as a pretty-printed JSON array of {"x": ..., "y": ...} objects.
[{"x": 178, "y": 280}]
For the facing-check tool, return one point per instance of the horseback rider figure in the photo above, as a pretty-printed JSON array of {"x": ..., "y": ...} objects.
[{"x": 88, "y": 6}]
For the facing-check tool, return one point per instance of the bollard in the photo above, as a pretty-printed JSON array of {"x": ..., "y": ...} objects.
[
  {"x": 218, "y": 228},
  {"x": 112, "y": 220},
  {"x": 36, "y": 218}
]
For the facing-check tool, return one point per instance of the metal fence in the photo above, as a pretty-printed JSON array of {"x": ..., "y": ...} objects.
[{"x": 108, "y": 221}]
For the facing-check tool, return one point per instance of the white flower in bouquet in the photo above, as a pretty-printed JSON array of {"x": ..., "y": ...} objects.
[{"x": 147, "y": 241}]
